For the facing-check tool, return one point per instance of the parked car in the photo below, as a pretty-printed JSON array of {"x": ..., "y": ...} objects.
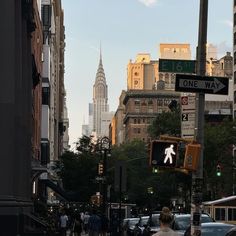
[
  {"x": 153, "y": 223},
  {"x": 143, "y": 221},
  {"x": 182, "y": 221},
  {"x": 214, "y": 229},
  {"x": 129, "y": 224},
  {"x": 231, "y": 232}
]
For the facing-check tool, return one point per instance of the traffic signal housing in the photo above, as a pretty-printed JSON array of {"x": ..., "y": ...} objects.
[
  {"x": 100, "y": 169},
  {"x": 163, "y": 153},
  {"x": 218, "y": 170},
  {"x": 192, "y": 154}
]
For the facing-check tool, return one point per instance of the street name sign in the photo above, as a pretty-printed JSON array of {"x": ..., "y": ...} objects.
[
  {"x": 202, "y": 84},
  {"x": 177, "y": 66}
]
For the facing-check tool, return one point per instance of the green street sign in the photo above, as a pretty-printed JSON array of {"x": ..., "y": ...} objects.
[{"x": 177, "y": 66}]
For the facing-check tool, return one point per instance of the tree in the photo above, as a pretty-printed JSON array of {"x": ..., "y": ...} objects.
[
  {"x": 219, "y": 139},
  {"x": 166, "y": 123},
  {"x": 78, "y": 170}
]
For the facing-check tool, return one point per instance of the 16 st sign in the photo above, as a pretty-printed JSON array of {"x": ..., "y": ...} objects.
[{"x": 202, "y": 84}]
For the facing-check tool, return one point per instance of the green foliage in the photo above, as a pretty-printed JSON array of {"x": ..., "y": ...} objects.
[
  {"x": 218, "y": 150},
  {"x": 166, "y": 123}
]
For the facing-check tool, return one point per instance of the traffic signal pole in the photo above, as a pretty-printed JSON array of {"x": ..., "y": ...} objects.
[{"x": 197, "y": 177}]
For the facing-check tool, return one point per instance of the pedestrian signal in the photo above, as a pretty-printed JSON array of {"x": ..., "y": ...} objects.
[
  {"x": 100, "y": 169},
  {"x": 192, "y": 154},
  {"x": 218, "y": 170},
  {"x": 163, "y": 153}
]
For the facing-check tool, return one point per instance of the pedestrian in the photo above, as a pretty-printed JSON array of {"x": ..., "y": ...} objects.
[
  {"x": 85, "y": 222},
  {"x": 63, "y": 223},
  {"x": 104, "y": 225},
  {"x": 165, "y": 221},
  {"x": 94, "y": 224},
  {"x": 77, "y": 226}
]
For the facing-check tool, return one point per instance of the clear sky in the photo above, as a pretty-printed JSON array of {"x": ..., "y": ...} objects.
[{"x": 125, "y": 28}]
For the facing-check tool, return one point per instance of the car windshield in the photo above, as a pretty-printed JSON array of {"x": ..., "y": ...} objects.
[
  {"x": 133, "y": 221},
  {"x": 143, "y": 221},
  {"x": 215, "y": 230},
  {"x": 155, "y": 220},
  {"x": 182, "y": 222}
]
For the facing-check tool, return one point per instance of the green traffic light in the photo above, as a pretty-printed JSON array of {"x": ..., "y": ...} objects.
[
  {"x": 218, "y": 173},
  {"x": 154, "y": 170}
]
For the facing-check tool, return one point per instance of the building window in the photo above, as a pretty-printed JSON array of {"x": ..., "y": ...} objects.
[
  {"x": 219, "y": 213},
  {"x": 234, "y": 96},
  {"x": 136, "y": 73},
  {"x": 45, "y": 96},
  {"x": 166, "y": 77},
  {"x": 234, "y": 77},
  {"x": 166, "y": 102},
  {"x": 143, "y": 120},
  {"x": 235, "y": 38},
  {"x": 137, "y": 105},
  {"x": 160, "y": 76},
  {"x": 160, "y": 102},
  {"x": 135, "y": 121},
  {"x": 231, "y": 214},
  {"x": 234, "y": 58},
  {"x": 234, "y": 19},
  {"x": 139, "y": 121}
]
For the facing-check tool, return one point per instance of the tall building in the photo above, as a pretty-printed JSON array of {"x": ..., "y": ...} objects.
[
  {"x": 175, "y": 51},
  {"x": 141, "y": 108},
  {"x": 142, "y": 73},
  {"x": 100, "y": 103}
]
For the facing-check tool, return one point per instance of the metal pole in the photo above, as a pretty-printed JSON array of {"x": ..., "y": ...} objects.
[{"x": 197, "y": 177}]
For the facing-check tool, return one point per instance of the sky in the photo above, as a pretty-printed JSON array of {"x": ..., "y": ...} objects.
[{"x": 125, "y": 28}]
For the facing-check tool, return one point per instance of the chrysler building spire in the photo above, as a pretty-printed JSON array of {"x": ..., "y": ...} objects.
[{"x": 100, "y": 99}]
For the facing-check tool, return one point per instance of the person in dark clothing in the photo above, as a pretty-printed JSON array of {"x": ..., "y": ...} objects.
[
  {"x": 94, "y": 224},
  {"x": 77, "y": 227},
  {"x": 104, "y": 225}
]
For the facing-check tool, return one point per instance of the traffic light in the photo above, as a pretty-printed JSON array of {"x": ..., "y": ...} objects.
[
  {"x": 150, "y": 190},
  {"x": 163, "y": 153},
  {"x": 100, "y": 169},
  {"x": 154, "y": 170},
  {"x": 192, "y": 154},
  {"x": 218, "y": 170}
]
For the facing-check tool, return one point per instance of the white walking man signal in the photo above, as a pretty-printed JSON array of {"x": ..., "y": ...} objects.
[{"x": 168, "y": 154}]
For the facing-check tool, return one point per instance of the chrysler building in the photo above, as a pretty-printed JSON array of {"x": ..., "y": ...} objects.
[{"x": 101, "y": 115}]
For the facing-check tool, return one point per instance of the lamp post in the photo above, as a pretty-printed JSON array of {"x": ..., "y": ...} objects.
[{"x": 104, "y": 148}]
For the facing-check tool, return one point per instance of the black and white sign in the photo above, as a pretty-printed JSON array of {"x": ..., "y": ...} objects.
[
  {"x": 188, "y": 108},
  {"x": 164, "y": 153},
  {"x": 202, "y": 84}
]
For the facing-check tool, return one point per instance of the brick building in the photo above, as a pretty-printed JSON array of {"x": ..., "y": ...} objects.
[{"x": 141, "y": 108}]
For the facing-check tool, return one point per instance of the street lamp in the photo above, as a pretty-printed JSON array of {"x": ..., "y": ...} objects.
[{"x": 104, "y": 149}]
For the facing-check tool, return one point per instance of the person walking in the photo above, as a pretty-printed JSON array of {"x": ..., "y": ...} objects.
[
  {"x": 77, "y": 226},
  {"x": 104, "y": 225},
  {"x": 165, "y": 221},
  {"x": 85, "y": 222},
  {"x": 94, "y": 224},
  {"x": 63, "y": 223}
]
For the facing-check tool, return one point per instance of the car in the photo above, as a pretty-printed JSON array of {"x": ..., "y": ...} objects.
[
  {"x": 129, "y": 225},
  {"x": 214, "y": 229},
  {"x": 153, "y": 223},
  {"x": 231, "y": 232},
  {"x": 182, "y": 221},
  {"x": 143, "y": 221}
]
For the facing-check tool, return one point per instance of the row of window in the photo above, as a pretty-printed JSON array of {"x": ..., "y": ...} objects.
[
  {"x": 160, "y": 102},
  {"x": 222, "y": 214},
  {"x": 142, "y": 121}
]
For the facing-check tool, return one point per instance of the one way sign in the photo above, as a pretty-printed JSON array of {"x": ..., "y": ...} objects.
[{"x": 202, "y": 84}]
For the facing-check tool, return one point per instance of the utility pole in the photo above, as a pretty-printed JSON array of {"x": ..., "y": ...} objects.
[{"x": 197, "y": 177}]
